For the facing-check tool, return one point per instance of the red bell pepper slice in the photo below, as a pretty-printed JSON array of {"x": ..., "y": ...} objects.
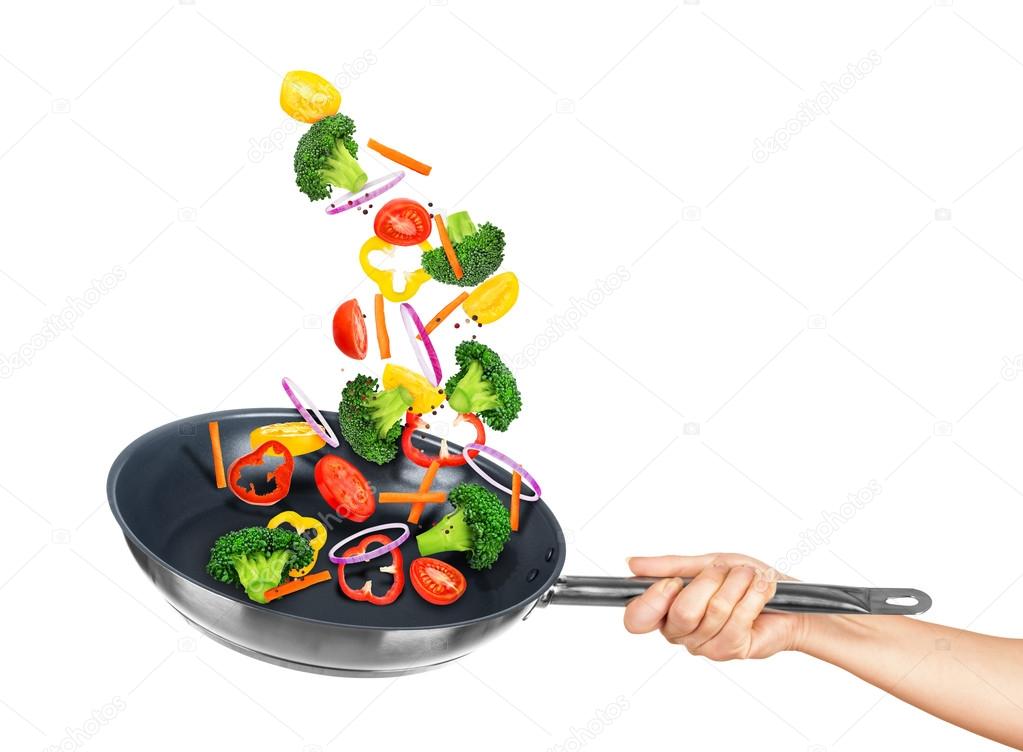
[
  {"x": 365, "y": 593},
  {"x": 423, "y": 459},
  {"x": 281, "y": 475}
]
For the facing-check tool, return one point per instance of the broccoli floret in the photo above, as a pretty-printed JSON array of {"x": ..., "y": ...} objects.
[
  {"x": 370, "y": 420},
  {"x": 257, "y": 558},
  {"x": 479, "y": 251},
  {"x": 484, "y": 386},
  {"x": 325, "y": 156},
  {"x": 479, "y": 525}
]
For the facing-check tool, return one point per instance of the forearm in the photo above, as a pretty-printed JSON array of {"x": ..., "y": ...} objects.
[{"x": 974, "y": 681}]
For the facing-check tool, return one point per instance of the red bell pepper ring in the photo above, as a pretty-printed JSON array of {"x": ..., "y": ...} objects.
[
  {"x": 365, "y": 593},
  {"x": 281, "y": 476},
  {"x": 423, "y": 459}
]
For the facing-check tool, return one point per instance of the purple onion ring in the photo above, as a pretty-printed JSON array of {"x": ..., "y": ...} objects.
[
  {"x": 368, "y": 192},
  {"x": 429, "y": 363},
  {"x": 378, "y": 551},
  {"x": 507, "y": 461},
  {"x": 300, "y": 400}
]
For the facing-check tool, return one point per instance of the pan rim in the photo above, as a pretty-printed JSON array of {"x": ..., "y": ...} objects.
[{"x": 283, "y": 412}]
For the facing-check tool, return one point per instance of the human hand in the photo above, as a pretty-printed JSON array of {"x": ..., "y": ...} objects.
[{"x": 718, "y": 614}]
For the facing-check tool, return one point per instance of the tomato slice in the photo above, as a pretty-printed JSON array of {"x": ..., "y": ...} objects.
[
  {"x": 436, "y": 581},
  {"x": 350, "y": 329},
  {"x": 402, "y": 221},
  {"x": 344, "y": 488}
]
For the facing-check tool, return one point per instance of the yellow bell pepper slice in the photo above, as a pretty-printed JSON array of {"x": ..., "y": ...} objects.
[
  {"x": 492, "y": 299},
  {"x": 425, "y": 396},
  {"x": 385, "y": 277},
  {"x": 308, "y": 97},
  {"x": 301, "y": 524},
  {"x": 298, "y": 436}
]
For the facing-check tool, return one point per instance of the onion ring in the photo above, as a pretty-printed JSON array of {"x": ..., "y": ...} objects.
[
  {"x": 368, "y": 192},
  {"x": 378, "y": 551},
  {"x": 429, "y": 363},
  {"x": 300, "y": 400},
  {"x": 467, "y": 451}
]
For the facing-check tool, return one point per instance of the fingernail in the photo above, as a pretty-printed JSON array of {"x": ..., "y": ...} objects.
[
  {"x": 670, "y": 586},
  {"x": 628, "y": 561}
]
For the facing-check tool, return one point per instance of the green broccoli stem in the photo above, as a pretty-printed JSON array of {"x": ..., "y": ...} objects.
[
  {"x": 460, "y": 226},
  {"x": 343, "y": 171},
  {"x": 450, "y": 534},
  {"x": 258, "y": 573},
  {"x": 473, "y": 394},
  {"x": 387, "y": 408}
]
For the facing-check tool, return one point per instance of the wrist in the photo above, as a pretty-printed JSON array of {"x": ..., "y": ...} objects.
[{"x": 822, "y": 635}]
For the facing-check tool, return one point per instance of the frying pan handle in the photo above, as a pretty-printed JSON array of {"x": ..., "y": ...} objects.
[{"x": 790, "y": 597}]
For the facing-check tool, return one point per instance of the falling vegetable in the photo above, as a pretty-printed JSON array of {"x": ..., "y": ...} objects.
[
  {"x": 402, "y": 221},
  {"x": 425, "y": 396},
  {"x": 516, "y": 495},
  {"x": 218, "y": 455},
  {"x": 421, "y": 458},
  {"x": 257, "y": 558},
  {"x": 479, "y": 526},
  {"x": 492, "y": 299},
  {"x": 484, "y": 386},
  {"x": 308, "y": 97},
  {"x": 384, "y": 278},
  {"x": 365, "y": 593},
  {"x": 413, "y": 497},
  {"x": 383, "y": 341},
  {"x": 301, "y": 524},
  {"x": 473, "y": 256},
  {"x": 325, "y": 157},
  {"x": 279, "y": 476},
  {"x": 396, "y": 156},
  {"x": 416, "y": 510},
  {"x": 293, "y": 586},
  {"x": 370, "y": 420},
  {"x": 349, "y": 329},
  {"x": 449, "y": 250},
  {"x": 298, "y": 436},
  {"x": 436, "y": 581},
  {"x": 444, "y": 312}
]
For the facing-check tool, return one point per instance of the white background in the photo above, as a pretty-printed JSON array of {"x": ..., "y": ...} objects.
[{"x": 840, "y": 314}]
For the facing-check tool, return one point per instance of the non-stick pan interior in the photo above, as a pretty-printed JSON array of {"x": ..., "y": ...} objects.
[{"x": 163, "y": 493}]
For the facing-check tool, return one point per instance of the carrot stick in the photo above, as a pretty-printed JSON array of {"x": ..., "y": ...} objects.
[
  {"x": 424, "y": 485},
  {"x": 218, "y": 455},
  {"x": 516, "y": 492},
  {"x": 449, "y": 250},
  {"x": 444, "y": 312},
  {"x": 396, "y": 156},
  {"x": 436, "y": 497},
  {"x": 383, "y": 341},
  {"x": 299, "y": 583}
]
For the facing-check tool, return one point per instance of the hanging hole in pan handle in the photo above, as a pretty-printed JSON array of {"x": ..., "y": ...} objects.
[{"x": 898, "y": 601}]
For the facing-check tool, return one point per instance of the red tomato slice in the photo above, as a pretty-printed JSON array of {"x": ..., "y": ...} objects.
[
  {"x": 344, "y": 488},
  {"x": 350, "y": 329},
  {"x": 436, "y": 581},
  {"x": 402, "y": 221}
]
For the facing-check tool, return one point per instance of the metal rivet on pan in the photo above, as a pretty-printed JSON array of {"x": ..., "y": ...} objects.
[
  {"x": 549, "y": 555},
  {"x": 532, "y": 575}
]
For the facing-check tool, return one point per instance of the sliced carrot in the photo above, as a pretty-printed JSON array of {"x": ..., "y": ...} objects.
[
  {"x": 299, "y": 583},
  {"x": 218, "y": 455},
  {"x": 396, "y": 156},
  {"x": 444, "y": 312},
  {"x": 383, "y": 341},
  {"x": 449, "y": 250},
  {"x": 516, "y": 492},
  {"x": 416, "y": 497},
  {"x": 424, "y": 486}
]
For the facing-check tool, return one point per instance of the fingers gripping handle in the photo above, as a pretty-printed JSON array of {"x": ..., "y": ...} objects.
[{"x": 790, "y": 597}]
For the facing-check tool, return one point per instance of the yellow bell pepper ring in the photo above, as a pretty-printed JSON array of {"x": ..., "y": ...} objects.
[
  {"x": 301, "y": 524},
  {"x": 492, "y": 299},
  {"x": 308, "y": 97},
  {"x": 385, "y": 277},
  {"x": 298, "y": 436}
]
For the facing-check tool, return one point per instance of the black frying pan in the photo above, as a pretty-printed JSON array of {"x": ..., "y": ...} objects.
[{"x": 163, "y": 495}]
